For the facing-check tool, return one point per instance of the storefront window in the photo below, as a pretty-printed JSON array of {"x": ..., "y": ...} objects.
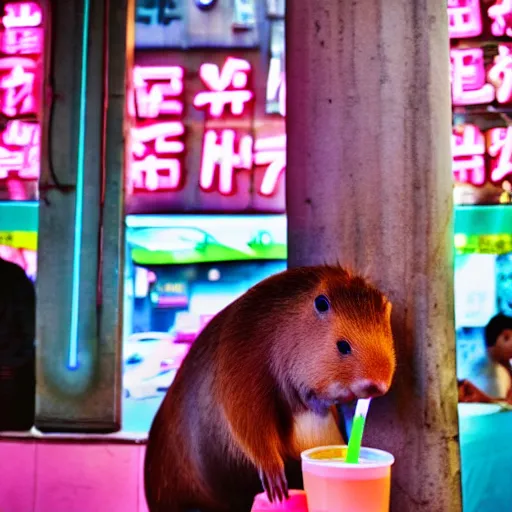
[
  {"x": 206, "y": 214},
  {"x": 481, "y": 79}
]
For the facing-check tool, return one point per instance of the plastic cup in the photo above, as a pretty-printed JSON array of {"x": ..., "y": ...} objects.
[
  {"x": 332, "y": 485},
  {"x": 296, "y": 503}
]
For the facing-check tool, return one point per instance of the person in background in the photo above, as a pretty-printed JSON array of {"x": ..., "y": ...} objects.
[
  {"x": 491, "y": 378},
  {"x": 504, "y": 283},
  {"x": 17, "y": 348}
]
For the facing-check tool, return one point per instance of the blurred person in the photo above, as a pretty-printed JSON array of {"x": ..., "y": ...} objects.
[
  {"x": 491, "y": 377},
  {"x": 17, "y": 348},
  {"x": 504, "y": 283}
]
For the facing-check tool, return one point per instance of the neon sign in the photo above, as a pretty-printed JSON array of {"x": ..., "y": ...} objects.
[
  {"x": 270, "y": 151},
  {"x": 469, "y": 86},
  {"x": 469, "y": 148},
  {"x": 225, "y": 87},
  {"x": 501, "y": 15},
  {"x": 22, "y": 14},
  {"x": 158, "y": 139},
  {"x": 464, "y": 18},
  {"x": 500, "y": 150},
  {"x": 158, "y": 90},
  {"x": 219, "y": 151},
  {"x": 500, "y": 74},
  {"x": 21, "y": 43}
]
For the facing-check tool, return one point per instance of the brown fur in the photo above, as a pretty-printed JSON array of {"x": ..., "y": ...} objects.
[{"x": 240, "y": 403}]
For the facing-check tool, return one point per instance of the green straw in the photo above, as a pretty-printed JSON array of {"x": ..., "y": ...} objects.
[{"x": 356, "y": 435}]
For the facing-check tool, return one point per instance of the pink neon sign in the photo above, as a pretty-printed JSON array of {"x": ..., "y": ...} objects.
[
  {"x": 500, "y": 74},
  {"x": 226, "y": 87},
  {"x": 157, "y": 140},
  {"x": 22, "y": 43},
  {"x": 468, "y": 150},
  {"x": 468, "y": 77},
  {"x": 219, "y": 153},
  {"x": 158, "y": 91},
  {"x": 501, "y": 15},
  {"x": 500, "y": 150},
  {"x": 464, "y": 18},
  {"x": 19, "y": 151},
  {"x": 22, "y": 14},
  {"x": 270, "y": 151}
]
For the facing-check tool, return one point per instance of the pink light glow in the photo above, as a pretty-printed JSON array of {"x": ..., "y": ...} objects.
[
  {"x": 16, "y": 190},
  {"x": 22, "y": 14},
  {"x": 155, "y": 169},
  {"x": 223, "y": 156},
  {"x": 226, "y": 87},
  {"x": 17, "y": 92},
  {"x": 464, "y": 18},
  {"x": 467, "y": 140},
  {"x": 19, "y": 150},
  {"x": 468, "y": 149},
  {"x": 500, "y": 149},
  {"x": 501, "y": 14},
  {"x": 468, "y": 78},
  {"x": 469, "y": 170},
  {"x": 160, "y": 133},
  {"x": 158, "y": 90},
  {"x": 153, "y": 173},
  {"x": 500, "y": 74},
  {"x": 270, "y": 150},
  {"x": 22, "y": 41}
]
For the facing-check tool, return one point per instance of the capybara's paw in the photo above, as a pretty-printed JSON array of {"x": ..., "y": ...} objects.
[{"x": 274, "y": 483}]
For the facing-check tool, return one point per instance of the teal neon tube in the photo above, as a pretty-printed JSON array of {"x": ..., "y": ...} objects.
[{"x": 79, "y": 203}]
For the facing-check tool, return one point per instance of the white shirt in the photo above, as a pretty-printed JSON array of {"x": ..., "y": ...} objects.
[{"x": 490, "y": 377}]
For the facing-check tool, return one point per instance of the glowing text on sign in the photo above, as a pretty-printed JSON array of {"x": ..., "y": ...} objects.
[
  {"x": 469, "y": 148},
  {"x": 21, "y": 49},
  {"x": 158, "y": 143},
  {"x": 157, "y": 140}
]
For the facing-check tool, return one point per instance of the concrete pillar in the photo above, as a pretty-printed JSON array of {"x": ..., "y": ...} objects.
[
  {"x": 369, "y": 184},
  {"x": 81, "y": 213}
]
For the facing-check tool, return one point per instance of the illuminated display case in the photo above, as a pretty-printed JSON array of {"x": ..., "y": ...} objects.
[
  {"x": 483, "y": 277},
  {"x": 181, "y": 270}
]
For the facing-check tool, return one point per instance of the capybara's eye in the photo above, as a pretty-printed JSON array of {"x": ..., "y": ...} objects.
[
  {"x": 344, "y": 347},
  {"x": 322, "y": 304}
]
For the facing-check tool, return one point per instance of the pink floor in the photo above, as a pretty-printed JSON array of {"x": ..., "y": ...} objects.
[{"x": 40, "y": 476}]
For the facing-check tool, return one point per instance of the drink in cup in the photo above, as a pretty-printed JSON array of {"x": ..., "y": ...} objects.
[{"x": 333, "y": 485}]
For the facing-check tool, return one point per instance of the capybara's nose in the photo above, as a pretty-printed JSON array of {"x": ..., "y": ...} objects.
[{"x": 366, "y": 388}]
